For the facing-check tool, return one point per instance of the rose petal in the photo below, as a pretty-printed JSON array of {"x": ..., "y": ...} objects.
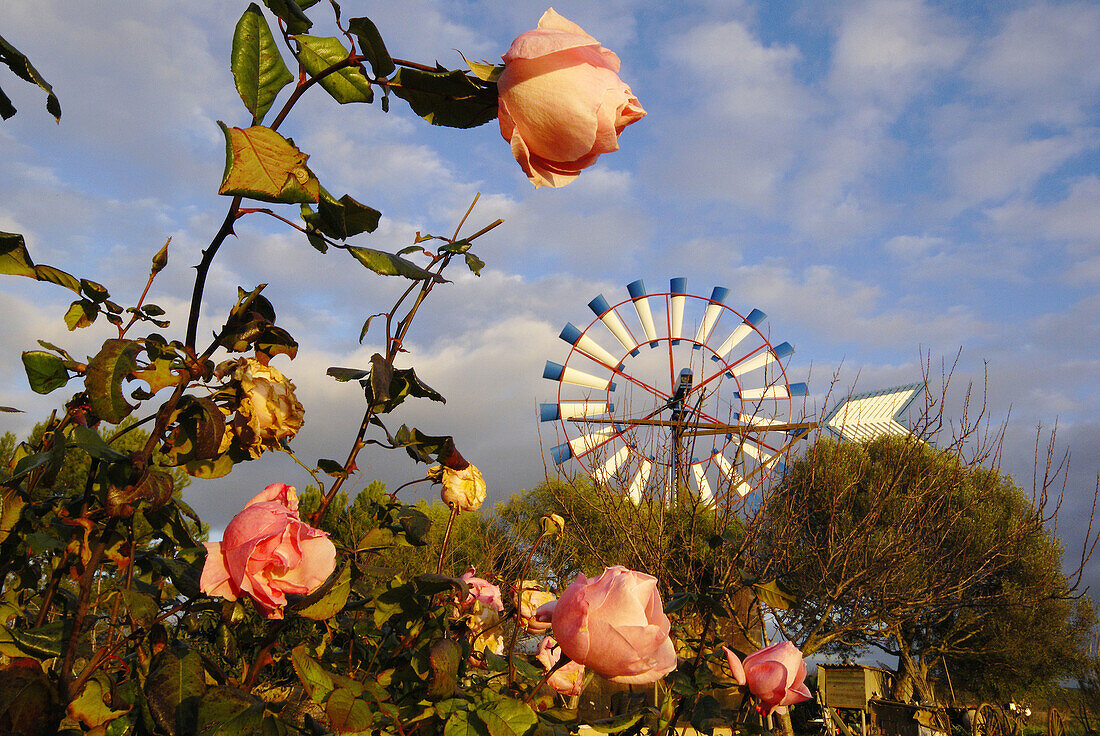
[
  {"x": 215, "y": 578},
  {"x": 736, "y": 668},
  {"x": 318, "y": 562}
]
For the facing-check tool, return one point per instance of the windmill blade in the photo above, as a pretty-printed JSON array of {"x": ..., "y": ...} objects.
[
  {"x": 746, "y": 328},
  {"x": 678, "y": 287},
  {"x": 730, "y": 473},
  {"x": 611, "y": 321},
  {"x": 762, "y": 359},
  {"x": 705, "y": 494},
  {"x": 606, "y": 472},
  {"x": 711, "y": 315},
  {"x": 772, "y": 393},
  {"x": 640, "y": 480},
  {"x": 873, "y": 414},
  {"x": 557, "y": 372},
  {"x": 572, "y": 335},
  {"x": 641, "y": 306},
  {"x": 573, "y": 409}
]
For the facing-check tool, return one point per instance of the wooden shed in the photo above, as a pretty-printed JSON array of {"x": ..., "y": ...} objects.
[{"x": 852, "y": 685}]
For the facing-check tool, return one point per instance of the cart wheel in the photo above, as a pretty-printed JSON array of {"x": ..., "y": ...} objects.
[
  {"x": 988, "y": 721},
  {"x": 1055, "y": 724}
]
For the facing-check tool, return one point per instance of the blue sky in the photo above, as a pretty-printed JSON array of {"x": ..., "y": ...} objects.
[{"x": 891, "y": 181}]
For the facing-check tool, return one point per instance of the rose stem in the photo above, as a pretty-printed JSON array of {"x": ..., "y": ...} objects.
[{"x": 446, "y": 539}]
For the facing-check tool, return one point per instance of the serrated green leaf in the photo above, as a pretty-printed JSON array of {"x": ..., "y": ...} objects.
[
  {"x": 45, "y": 371},
  {"x": 615, "y": 725},
  {"x": 92, "y": 443},
  {"x": 22, "y": 67},
  {"x": 42, "y": 642},
  {"x": 347, "y": 374},
  {"x": 103, "y": 379},
  {"x": 57, "y": 276},
  {"x": 318, "y": 53},
  {"x": 332, "y": 600},
  {"x": 261, "y": 164},
  {"x": 290, "y": 12},
  {"x": 772, "y": 594},
  {"x": 388, "y": 264},
  {"x": 94, "y": 291},
  {"x": 462, "y": 723},
  {"x": 14, "y": 258},
  {"x": 331, "y": 467},
  {"x": 474, "y": 263},
  {"x": 346, "y": 713},
  {"x": 259, "y": 72},
  {"x": 316, "y": 681},
  {"x": 448, "y": 98},
  {"x": 506, "y": 716},
  {"x": 174, "y": 689},
  {"x": 341, "y": 218},
  {"x": 227, "y": 711},
  {"x": 81, "y": 313},
  {"x": 372, "y": 46}
]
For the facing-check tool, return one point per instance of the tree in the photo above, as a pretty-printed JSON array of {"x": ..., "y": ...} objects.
[{"x": 900, "y": 546}]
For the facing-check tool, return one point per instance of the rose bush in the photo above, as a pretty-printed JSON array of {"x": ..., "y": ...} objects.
[
  {"x": 267, "y": 552},
  {"x": 776, "y": 675},
  {"x": 561, "y": 102},
  {"x": 614, "y": 624}
]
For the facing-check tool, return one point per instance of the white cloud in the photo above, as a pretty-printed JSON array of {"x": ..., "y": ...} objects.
[
  {"x": 1045, "y": 61},
  {"x": 889, "y": 50}
]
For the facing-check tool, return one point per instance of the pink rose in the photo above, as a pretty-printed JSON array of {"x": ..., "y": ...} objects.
[
  {"x": 482, "y": 592},
  {"x": 615, "y": 625},
  {"x": 528, "y": 600},
  {"x": 776, "y": 675},
  {"x": 561, "y": 101},
  {"x": 569, "y": 678},
  {"x": 266, "y": 552}
]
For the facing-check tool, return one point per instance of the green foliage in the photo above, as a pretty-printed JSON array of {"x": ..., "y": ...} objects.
[
  {"x": 22, "y": 67},
  {"x": 345, "y": 85},
  {"x": 897, "y": 545},
  {"x": 258, "y": 69},
  {"x": 448, "y": 98}
]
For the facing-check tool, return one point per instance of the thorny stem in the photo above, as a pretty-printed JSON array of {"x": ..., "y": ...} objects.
[
  {"x": 446, "y": 539},
  {"x": 82, "y": 609}
]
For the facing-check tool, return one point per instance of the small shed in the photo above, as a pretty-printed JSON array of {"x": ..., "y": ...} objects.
[{"x": 852, "y": 685}]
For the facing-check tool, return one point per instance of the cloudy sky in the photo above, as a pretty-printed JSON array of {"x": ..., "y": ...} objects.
[{"x": 892, "y": 181}]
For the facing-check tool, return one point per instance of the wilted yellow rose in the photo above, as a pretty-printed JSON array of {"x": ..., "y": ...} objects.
[
  {"x": 268, "y": 410},
  {"x": 462, "y": 489},
  {"x": 528, "y": 598}
]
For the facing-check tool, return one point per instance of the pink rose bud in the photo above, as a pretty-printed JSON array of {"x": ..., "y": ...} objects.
[
  {"x": 569, "y": 678},
  {"x": 776, "y": 675},
  {"x": 561, "y": 101},
  {"x": 528, "y": 599},
  {"x": 482, "y": 592},
  {"x": 615, "y": 625},
  {"x": 266, "y": 552}
]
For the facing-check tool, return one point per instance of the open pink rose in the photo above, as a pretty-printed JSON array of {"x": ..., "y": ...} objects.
[
  {"x": 481, "y": 592},
  {"x": 561, "y": 101},
  {"x": 615, "y": 625},
  {"x": 569, "y": 678},
  {"x": 776, "y": 675},
  {"x": 266, "y": 552}
]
